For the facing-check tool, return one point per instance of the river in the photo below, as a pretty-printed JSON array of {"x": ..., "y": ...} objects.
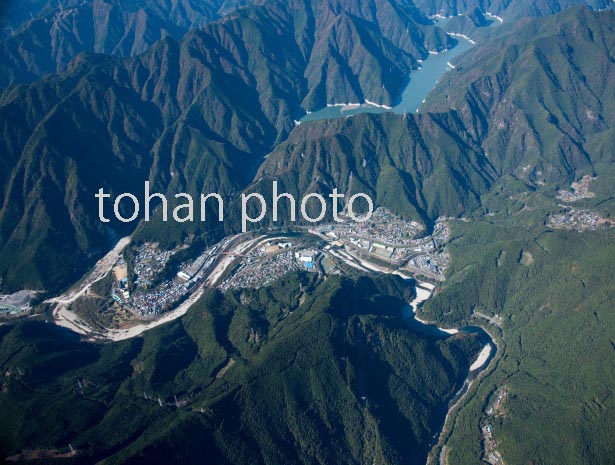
[
  {"x": 421, "y": 83},
  {"x": 424, "y": 292}
]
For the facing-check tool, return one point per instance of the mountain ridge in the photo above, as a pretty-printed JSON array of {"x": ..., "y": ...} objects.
[
  {"x": 189, "y": 116},
  {"x": 557, "y": 116},
  {"x": 319, "y": 381}
]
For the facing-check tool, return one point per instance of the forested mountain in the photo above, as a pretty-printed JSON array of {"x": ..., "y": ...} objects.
[
  {"x": 533, "y": 104},
  {"x": 420, "y": 166},
  {"x": 509, "y": 10},
  {"x": 333, "y": 376},
  {"x": 311, "y": 368},
  {"x": 41, "y": 37},
  {"x": 48, "y": 42},
  {"x": 195, "y": 115},
  {"x": 198, "y": 115},
  {"x": 557, "y": 339},
  {"x": 538, "y": 99}
]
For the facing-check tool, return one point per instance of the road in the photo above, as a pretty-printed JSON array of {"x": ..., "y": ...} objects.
[
  {"x": 226, "y": 255},
  {"x": 424, "y": 272},
  {"x": 491, "y": 319},
  {"x": 61, "y": 314},
  {"x": 101, "y": 269},
  {"x": 64, "y": 317}
]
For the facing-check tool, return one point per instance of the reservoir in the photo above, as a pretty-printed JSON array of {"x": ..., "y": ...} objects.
[{"x": 422, "y": 81}]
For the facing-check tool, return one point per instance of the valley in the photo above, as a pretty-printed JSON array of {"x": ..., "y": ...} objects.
[
  {"x": 377, "y": 246},
  {"x": 468, "y": 321},
  {"x": 384, "y": 244},
  {"x": 421, "y": 82}
]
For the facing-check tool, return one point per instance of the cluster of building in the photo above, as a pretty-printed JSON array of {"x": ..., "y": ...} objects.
[
  {"x": 269, "y": 262},
  {"x": 376, "y": 250},
  {"x": 578, "y": 190},
  {"x": 497, "y": 404},
  {"x": 158, "y": 300},
  {"x": 193, "y": 272},
  {"x": 385, "y": 238},
  {"x": 441, "y": 233},
  {"x": 147, "y": 299},
  {"x": 577, "y": 220},
  {"x": 426, "y": 255},
  {"x": 258, "y": 270},
  {"x": 383, "y": 227},
  {"x": 490, "y": 446},
  {"x": 430, "y": 256},
  {"x": 490, "y": 452},
  {"x": 435, "y": 264},
  {"x": 15, "y": 304},
  {"x": 151, "y": 296},
  {"x": 149, "y": 262}
]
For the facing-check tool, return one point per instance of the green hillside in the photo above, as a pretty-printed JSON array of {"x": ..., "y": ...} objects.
[
  {"x": 537, "y": 97},
  {"x": 324, "y": 374},
  {"x": 417, "y": 166},
  {"x": 195, "y": 115},
  {"x": 553, "y": 292},
  {"x": 39, "y": 37}
]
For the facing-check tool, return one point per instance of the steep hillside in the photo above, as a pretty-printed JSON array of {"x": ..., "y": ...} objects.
[
  {"x": 49, "y": 41},
  {"x": 556, "y": 321},
  {"x": 195, "y": 115},
  {"x": 538, "y": 98},
  {"x": 420, "y": 166},
  {"x": 506, "y": 9},
  {"x": 198, "y": 115},
  {"x": 328, "y": 375},
  {"x": 40, "y": 37}
]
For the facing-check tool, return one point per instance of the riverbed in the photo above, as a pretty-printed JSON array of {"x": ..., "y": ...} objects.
[{"x": 424, "y": 291}]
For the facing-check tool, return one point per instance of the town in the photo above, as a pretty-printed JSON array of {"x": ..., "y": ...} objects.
[
  {"x": 578, "y": 190},
  {"x": 384, "y": 243},
  {"x": 577, "y": 220},
  {"x": 145, "y": 284}
]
